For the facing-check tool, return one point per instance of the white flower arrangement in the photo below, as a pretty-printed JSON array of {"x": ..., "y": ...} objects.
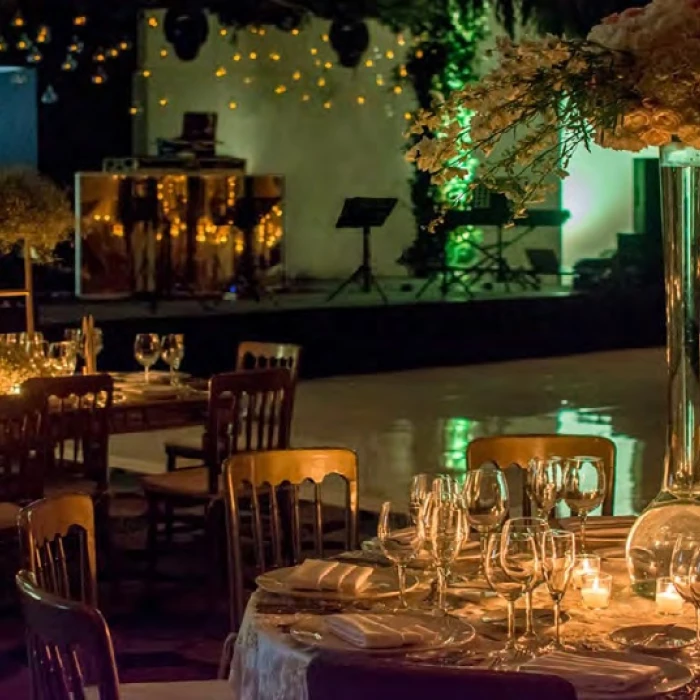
[{"x": 634, "y": 82}]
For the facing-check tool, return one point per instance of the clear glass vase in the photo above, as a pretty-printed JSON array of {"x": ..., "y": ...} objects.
[{"x": 676, "y": 509}]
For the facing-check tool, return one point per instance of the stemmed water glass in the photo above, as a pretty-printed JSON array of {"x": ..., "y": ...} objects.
[
  {"x": 444, "y": 522},
  {"x": 583, "y": 488},
  {"x": 485, "y": 496},
  {"x": 544, "y": 483},
  {"x": 147, "y": 351},
  {"x": 62, "y": 357},
  {"x": 496, "y": 567},
  {"x": 685, "y": 574},
  {"x": 400, "y": 544},
  {"x": 558, "y": 558},
  {"x": 420, "y": 488},
  {"x": 534, "y": 529},
  {"x": 172, "y": 352}
]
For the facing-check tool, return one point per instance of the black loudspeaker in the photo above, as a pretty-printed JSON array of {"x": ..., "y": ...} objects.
[{"x": 647, "y": 197}]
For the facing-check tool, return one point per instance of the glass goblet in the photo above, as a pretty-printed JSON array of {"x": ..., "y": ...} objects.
[
  {"x": 558, "y": 559},
  {"x": 147, "y": 351},
  {"x": 444, "y": 524},
  {"x": 172, "y": 353},
  {"x": 583, "y": 488},
  {"x": 400, "y": 544},
  {"x": 685, "y": 574},
  {"x": 545, "y": 484},
  {"x": 62, "y": 357},
  {"x": 486, "y": 500},
  {"x": 419, "y": 490},
  {"x": 534, "y": 528},
  {"x": 496, "y": 570}
]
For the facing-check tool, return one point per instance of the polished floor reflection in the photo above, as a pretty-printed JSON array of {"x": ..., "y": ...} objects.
[{"x": 409, "y": 422}]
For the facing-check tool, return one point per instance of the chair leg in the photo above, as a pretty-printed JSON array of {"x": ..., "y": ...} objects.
[
  {"x": 169, "y": 516},
  {"x": 213, "y": 528},
  {"x": 152, "y": 541}
]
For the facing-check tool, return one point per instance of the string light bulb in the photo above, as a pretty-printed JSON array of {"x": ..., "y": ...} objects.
[
  {"x": 124, "y": 45},
  {"x": 79, "y": 20},
  {"x": 274, "y": 56},
  {"x": 153, "y": 22},
  {"x": 223, "y": 31},
  {"x": 295, "y": 32},
  {"x": 43, "y": 34},
  {"x": 313, "y": 51},
  {"x": 389, "y": 54},
  {"x": 220, "y": 72},
  {"x": 305, "y": 97},
  {"x": 369, "y": 63},
  {"x": 281, "y": 89},
  {"x": 403, "y": 71},
  {"x": 397, "y": 89},
  {"x": 164, "y": 53},
  {"x": 18, "y": 20},
  {"x": 400, "y": 40},
  {"x": 113, "y": 52},
  {"x": 328, "y": 65},
  {"x": 321, "y": 82},
  {"x": 99, "y": 77},
  {"x": 262, "y": 31},
  {"x": 34, "y": 56},
  {"x": 379, "y": 80},
  {"x": 325, "y": 38},
  {"x": 253, "y": 56},
  {"x": 69, "y": 64},
  {"x": 99, "y": 56},
  {"x": 361, "y": 100},
  {"x": 163, "y": 101},
  {"x": 23, "y": 43},
  {"x": 247, "y": 80},
  {"x": 296, "y": 75},
  {"x": 133, "y": 110},
  {"x": 327, "y": 105},
  {"x": 233, "y": 105},
  {"x": 407, "y": 116},
  {"x": 146, "y": 73},
  {"x": 419, "y": 53},
  {"x": 3, "y": 45},
  {"x": 76, "y": 45},
  {"x": 236, "y": 57}
]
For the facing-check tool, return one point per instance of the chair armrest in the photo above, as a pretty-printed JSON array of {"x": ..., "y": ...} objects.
[{"x": 175, "y": 451}]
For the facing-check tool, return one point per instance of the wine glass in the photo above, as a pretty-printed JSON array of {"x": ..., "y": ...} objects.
[
  {"x": 558, "y": 558},
  {"x": 444, "y": 522},
  {"x": 400, "y": 544},
  {"x": 544, "y": 481},
  {"x": 62, "y": 357},
  {"x": 496, "y": 566},
  {"x": 533, "y": 528},
  {"x": 419, "y": 490},
  {"x": 172, "y": 352},
  {"x": 147, "y": 351},
  {"x": 685, "y": 574},
  {"x": 486, "y": 500},
  {"x": 583, "y": 487}
]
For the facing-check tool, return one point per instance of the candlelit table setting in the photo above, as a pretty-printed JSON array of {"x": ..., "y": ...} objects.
[{"x": 457, "y": 583}]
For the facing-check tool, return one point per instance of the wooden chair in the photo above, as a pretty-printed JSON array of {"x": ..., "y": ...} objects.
[
  {"x": 335, "y": 677},
  {"x": 75, "y": 435},
  {"x": 249, "y": 475},
  {"x": 21, "y": 467},
  {"x": 53, "y": 529},
  {"x": 516, "y": 450},
  {"x": 251, "y": 355},
  {"x": 248, "y": 411},
  {"x": 69, "y": 648}
]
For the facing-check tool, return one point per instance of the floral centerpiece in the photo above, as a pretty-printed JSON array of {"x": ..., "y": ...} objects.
[
  {"x": 633, "y": 82},
  {"x": 36, "y": 214}
]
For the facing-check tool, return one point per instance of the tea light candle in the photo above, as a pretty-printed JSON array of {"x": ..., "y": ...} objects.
[
  {"x": 668, "y": 601},
  {"x": 595, "y": 591},
  {"x": 585, "y": 565}
]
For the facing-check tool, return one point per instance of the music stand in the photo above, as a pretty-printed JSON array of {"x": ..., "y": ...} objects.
[{"x": 364, "y": 213}]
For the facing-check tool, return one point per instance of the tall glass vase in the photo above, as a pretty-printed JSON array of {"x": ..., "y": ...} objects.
[{"x": 676, "y": 509}]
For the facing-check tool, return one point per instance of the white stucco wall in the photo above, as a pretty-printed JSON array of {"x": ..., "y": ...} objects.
[{"x": 325, "y": 154}]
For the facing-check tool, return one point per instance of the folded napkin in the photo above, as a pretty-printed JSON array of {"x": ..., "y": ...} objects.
[
  {"x": 318, "y": 575},
  {"x": 588, "y": 673},
  {"x": 369, "y": 631}
]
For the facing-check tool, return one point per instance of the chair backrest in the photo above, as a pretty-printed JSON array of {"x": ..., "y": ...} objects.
[
  {"x": 21, "y": 465},
  {"x": 76, "y": 416},
  {"x": 68, "y": 646},
  {"x": 509, "y": 450},
  {"x": 254, "y": 355},
  {"x": 248, "y": 411},
  {"x": 330, "y": 677},
  {"x": 58, "y": 545},
  {"x": 250, "y": 474}
]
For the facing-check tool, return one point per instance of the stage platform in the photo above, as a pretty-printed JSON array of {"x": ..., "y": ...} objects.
[{"x": 358, "y": 333}]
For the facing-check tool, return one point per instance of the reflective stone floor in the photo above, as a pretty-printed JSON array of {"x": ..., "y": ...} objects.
[{"x": 409, "y": 422}]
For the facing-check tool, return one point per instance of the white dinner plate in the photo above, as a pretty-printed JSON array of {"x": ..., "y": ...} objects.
[
  {"x": 470, "y": 551},
  {"x": 451, "y": 632},
  {"x": 155, "y": 376},
  {"x": 654, "y": 639},
  {"x": 383, "y": 583},
  {"x": 672, "y": 677}
]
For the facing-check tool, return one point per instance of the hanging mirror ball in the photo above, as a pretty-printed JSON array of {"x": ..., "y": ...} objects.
[{"x": 49, "y": 96}]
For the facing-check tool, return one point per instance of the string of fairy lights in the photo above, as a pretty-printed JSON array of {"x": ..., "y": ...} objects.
[{"x": 310, "y": 77}]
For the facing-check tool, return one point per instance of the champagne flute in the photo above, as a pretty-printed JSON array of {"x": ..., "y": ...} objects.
[
  {"x": 533, "y": 528},
  {"x": 583, "y": 487},
  {"x": 400, "y": 544},
  {"x": 544, "y": 480},
  {"x": 496, "y": 567},
  {"x": 173, "y": 352},
  {"x": 486, "y": 500},
  {"x": 685, "y": 574},
  {"x": 62, "y": 357},
  {"x": 420, "y": 488},
  {"x": 444, "y": 523},
  {"x": 147, "y": 351},
  {"x": 558, "y": 558}
]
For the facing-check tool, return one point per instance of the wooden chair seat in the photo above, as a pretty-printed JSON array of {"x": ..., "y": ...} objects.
[
  {"x": 59, "y": 487},
  {"x": 180, "y": 690},
  {"x": 190, "y": 482},
  {"x": 8, "y": 516}
]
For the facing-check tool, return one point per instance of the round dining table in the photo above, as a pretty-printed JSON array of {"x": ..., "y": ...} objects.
[{"x": 269, "y": 664}]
